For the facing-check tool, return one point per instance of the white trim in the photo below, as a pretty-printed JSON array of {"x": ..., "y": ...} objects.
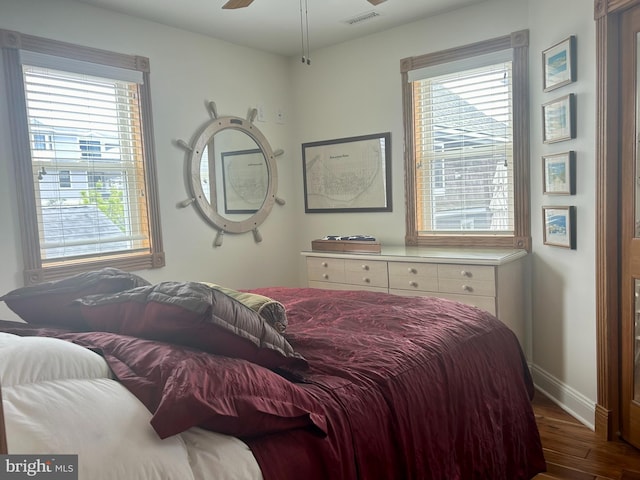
[{"x": 567, "y": 398}]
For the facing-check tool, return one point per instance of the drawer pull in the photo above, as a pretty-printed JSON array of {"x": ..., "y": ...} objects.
[
  {"x": 413, "y": 284},
  {"x": 464, "y": 273},
  {"x": 325, "y": 276},
  {"x": 365, "y": 267},
  {"x": 412, "y": 270},
  {"x": 366, "y": 280},
  {"x": 325, "y": 264},
  {"x": 467, "y": 288}
]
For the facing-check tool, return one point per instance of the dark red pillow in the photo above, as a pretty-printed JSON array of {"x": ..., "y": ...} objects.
[
  {"x": 195, "y": 315},
  {"x": 184, "y": 388},
  {"x": 51, "y": 303},
  {"x": 234, "y": 397}
]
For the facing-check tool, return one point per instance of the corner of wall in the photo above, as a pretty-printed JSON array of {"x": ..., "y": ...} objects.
[{"x": 567, "y": 398}]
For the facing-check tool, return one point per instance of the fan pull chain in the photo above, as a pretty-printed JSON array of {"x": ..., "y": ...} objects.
[
  {"x": 306, "y": 16},
  {"x": 302, "y": 34},
  {"x": 304, "y": 26}
]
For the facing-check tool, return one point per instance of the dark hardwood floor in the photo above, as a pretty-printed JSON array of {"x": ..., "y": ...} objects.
[{"x": 573, "y": 452}]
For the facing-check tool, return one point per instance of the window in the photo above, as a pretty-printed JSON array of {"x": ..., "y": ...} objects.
[
  {"x": 42, "y": 141},
  {"x": 87, "y": 188},
  {"x": 466, "y": 132},
  {"x": 90, "y": 148},
  {"x": 64, "y": 178},
  {"x": 437, "y": 167},
  {"x": 104, "y": 180}
]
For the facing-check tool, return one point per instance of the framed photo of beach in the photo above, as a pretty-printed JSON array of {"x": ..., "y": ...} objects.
[
  {"x": 559, "y": 226},
  {"x": 558, "y": 119},
  {"x": 559, "y": 64},
  {"x": 559, "y": 174}
]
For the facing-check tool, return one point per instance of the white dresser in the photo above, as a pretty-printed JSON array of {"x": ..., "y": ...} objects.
[{"x": 491, "y": 279}]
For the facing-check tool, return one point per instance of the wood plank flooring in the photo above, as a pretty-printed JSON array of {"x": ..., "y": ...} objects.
[{"x": 573, "y": 452}]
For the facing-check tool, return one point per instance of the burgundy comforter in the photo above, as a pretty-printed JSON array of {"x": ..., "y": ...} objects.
[
  {"x": 416, "y": 388},
  {"x": 410, "y": 388}
]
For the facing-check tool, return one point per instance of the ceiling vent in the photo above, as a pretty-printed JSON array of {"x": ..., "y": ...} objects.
[{"x": 363, "y": 17}]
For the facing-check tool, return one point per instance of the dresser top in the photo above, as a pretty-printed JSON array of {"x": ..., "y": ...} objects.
[{"x": 462, "y": 255}]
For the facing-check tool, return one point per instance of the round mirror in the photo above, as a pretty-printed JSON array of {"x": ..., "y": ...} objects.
[{"x": 232, "y": 174}]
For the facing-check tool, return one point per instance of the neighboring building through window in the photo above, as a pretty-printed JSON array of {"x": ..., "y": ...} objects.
[
  {"x": 85, "y": 168},
  {"x": 466, "y": 145}
]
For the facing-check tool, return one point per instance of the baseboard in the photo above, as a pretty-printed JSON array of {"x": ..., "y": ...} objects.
[{"x": 567, "y": 398}]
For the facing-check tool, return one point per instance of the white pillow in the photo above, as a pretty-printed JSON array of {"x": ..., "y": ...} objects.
[{"x": 35, "y": 359}]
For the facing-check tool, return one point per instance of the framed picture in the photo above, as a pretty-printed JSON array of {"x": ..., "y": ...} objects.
[
  {"x": 559, "y": 174},
  {"x": 245, "y": 180},
  {"x": 559, "y": 226},
  {"x": 559, "y": 64},
  {"x": 348, "y": 174},
  {"x": 558, "y": 119}
]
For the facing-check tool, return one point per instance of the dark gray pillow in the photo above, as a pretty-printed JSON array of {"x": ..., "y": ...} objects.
[
  {"x": 51, "y": 303},
  {"x": 194, "y": 315}
]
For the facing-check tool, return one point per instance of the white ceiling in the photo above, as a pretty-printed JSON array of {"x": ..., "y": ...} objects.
[{"x": 275, "y": 25}]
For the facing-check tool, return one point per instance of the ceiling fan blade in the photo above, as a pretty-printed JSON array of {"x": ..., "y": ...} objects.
[
  {"x": 376, "y": 2},
  {"x": 233, "y": 4}
]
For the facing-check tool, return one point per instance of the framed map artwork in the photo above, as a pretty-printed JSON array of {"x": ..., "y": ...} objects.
[{"x": 348, "y": 174}]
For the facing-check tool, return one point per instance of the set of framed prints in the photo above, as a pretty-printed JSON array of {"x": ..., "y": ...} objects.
[{"x": 559, "y": 67}]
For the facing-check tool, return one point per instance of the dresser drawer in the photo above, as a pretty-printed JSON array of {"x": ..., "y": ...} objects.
[
  {"x": 487, "y": 304},
  {"x": 421, "y": 277},
  {"x": 467, "y": 272},
  {"x": 366, "y": 273},
  {"x": 466, "y": 280},
  {"x": 325, "y": 269},
  {"x": 345, "y": 286}
]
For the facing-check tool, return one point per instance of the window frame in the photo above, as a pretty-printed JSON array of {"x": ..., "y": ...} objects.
[
  {"x": 518, "y": 42},
  {"x": 35, "y": 271}
]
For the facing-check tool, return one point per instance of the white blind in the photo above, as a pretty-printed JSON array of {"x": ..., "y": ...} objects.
[
  {"x": 72, "y": 65},
  {"x": 88, "y": 168},
  {"x": 463, "y": 151},
  {"x": 460, "y": 65}
]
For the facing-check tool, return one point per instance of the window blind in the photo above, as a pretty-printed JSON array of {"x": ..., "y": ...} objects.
[
  {"x": 464, "y": 150},
  {"x": 460, "y": 65},
  {"x": 87, "y": 159},
  {"x": 71, "y": 65}
]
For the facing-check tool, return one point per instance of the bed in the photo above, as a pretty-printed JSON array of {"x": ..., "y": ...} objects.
[{"x": 190, "y": 380}]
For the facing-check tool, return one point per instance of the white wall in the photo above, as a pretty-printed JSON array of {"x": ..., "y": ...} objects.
[
  {"x": 186, "y": 70},
  {"x": 349, "y": 90},
  {"x": 564, "y": 311},
  {"x": 354, "y": 89}
]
